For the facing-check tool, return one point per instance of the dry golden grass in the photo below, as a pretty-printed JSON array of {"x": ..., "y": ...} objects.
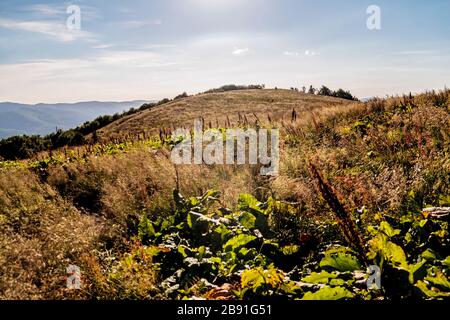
[
  {"x": 41, "y": 234},
  {"x": 381, "y": 155}
]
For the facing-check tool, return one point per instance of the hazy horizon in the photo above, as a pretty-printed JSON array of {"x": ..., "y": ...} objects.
[
  {"x": 144, "y": 50},
  {"x": 71, "y": 102},
  {"x": 76, "y": 102}
]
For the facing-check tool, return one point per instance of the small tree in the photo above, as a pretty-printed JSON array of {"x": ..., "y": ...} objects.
[
  {"x": 311, "y": 90},
  {"x": 181, "y": 96},
  {"x": 341, "y": 93},
  {"x": 325, "y": 91}
]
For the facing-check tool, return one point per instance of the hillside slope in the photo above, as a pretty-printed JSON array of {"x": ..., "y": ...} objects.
[{"x": 216, "y": 107}]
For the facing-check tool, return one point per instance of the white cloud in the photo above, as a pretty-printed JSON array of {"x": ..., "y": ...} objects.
[
  {"x": 103, "y": 46},
  {"x": 88, "y": 13},
  {"x": 310, "y": 53},
  {"x": 101, "y": 77},
  {"x": 240, "y": 51},
  {"x": 291, "y": 53},
  {"x": 51, "y": 68},
  {"x": 307, "y": 53},
  {"x": 141, "y": 59},
  {"x": 132, "y": 24},
  {"x": 46, "y": 10},
  {"x": 55, "y": 29}
]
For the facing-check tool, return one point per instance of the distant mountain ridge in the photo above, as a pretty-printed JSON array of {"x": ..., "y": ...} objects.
[{"x": 43, "y": 118}]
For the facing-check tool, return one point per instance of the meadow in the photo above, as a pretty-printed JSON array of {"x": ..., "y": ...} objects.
[{"x": 360, "y": 185}]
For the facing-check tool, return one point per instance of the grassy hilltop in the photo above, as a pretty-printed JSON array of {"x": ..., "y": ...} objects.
[
  {"x": 354, "y": 180},
  {"x": 219, "y": 108}
]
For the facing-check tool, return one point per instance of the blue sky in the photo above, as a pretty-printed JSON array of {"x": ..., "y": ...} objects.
[{"x": 127, "y": 50}]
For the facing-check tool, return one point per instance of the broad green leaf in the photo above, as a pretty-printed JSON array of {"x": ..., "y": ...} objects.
[
  {"x": 189, "y": 220},
  {"x": 423, "y": 223},
  {"x": 252, "y": 278},
  {"x": 255, "y": 278},
  {"x": 247, "y": 220},
  {"x": 388, "y": 230},
  {"x": 395, "y": 254},
  {"x": 279, "y": 206},
  {"x": 447, "y": 261},
  {"x": 417, "y": 271},
  {"x": 238, "y": 242},
  {"x": 244, "y": 251},
  {"x": 439, "y": 280},
  {"x": 340, "y": 261},
  {"x": 431, "y": 293},
  {"x": 327, "y": 293},
  {"x": 290, "y": 250},
  {"x": 408, "y": 237},
  {"x": 182, "y": 251},
  {"x": 210, "y": 196},
  {"x": 388, "y": 250},
  {"x": 273, "y": 277},
  {"x": 290, "y": 287},
  {"x": 337, "y": 282},
  {"x": 428, "y": 255},
  {"x": 146, "y": 228},
  {"x": 321, "y": 278},
  {"x": 247, "y": 202},
  {"x": 166, "y": 224}
]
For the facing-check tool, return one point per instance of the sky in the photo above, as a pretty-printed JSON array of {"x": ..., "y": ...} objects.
[{"x": 153, "y": 49}]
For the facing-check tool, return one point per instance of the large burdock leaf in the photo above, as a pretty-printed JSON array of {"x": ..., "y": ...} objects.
[
  {"x": 396, "y": 255},
  {"x": 380, "y": 245},
  {"x": 417, "y": 271},
  {"x": 439, "y": 280},
  {"x": 146, "y": 229},
  {"x": 249, "y": 203},
  {"x": 327, "y": 293},
  {"x": 258, "y": 277},
  {"x": 237, "y": 242},
  {"x": 252, "y": 278},
  {"x": 431, "y": 292},
  {"x": 388, "y": 230},
  {"x": 247, "y": 219},
  {"x": 319, "y": 278},
  {"x": 340, "y": 261}
]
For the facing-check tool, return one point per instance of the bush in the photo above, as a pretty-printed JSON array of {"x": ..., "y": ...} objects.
[
  {"x": 181, "y": 96},
  {"x": 233, "y": 87},
  {"x": 340, "y": 93},
  {"x": 21, "y": 147}
]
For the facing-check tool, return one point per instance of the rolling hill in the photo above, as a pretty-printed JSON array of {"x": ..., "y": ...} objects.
[{"x": 215, "y": 108}]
